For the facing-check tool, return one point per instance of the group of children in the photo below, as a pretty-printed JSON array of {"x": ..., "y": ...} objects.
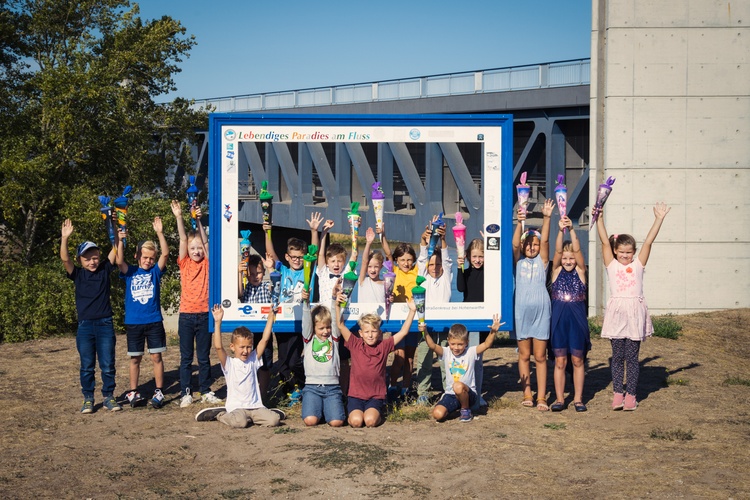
[{"x": 317, "y": 361}]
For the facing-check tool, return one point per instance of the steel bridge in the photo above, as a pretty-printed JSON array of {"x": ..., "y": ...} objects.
[{"x": 550, "y": 107}]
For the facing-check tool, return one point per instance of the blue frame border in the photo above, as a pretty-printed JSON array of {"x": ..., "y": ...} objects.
[{"x": 504, "y": 121}]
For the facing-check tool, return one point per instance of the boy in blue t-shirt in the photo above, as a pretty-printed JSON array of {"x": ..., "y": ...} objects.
[
  {"x": 143, "y": 319},
  {"x": 96, "y": 333}
]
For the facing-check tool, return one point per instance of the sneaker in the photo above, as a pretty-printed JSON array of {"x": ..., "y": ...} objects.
[
  {"x": 210, "y": 397},
  {"x": 135, "y": 399},
  {"x": 280, "y": 413},
  {"x": 422, "y": 400},
  {"x": 88, "y": 406},
  {"x": 186, "y": 400},
  {"x": 157, "y": 401},
  {"x": 483, "y": 403},
  {"x": 295, "y": 397},
  {"x": 630, "y": 403},
  {"x": 617, "y": 401},
  {"x": 111, "y": 404},
  {"x": 209, "y": 414},
  {"x": 466, "y": 415}
]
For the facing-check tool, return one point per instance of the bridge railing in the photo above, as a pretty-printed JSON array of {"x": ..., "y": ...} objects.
[{"x": 554, "y": 74}]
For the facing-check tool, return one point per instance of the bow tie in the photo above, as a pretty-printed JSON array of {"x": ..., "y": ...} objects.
[{"x": 332, "y": 276}]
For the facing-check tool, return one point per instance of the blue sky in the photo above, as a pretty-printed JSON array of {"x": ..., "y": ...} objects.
[{"x": 249, "y": 46}]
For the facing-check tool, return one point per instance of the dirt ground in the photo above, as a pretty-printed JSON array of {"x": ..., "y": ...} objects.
[{"x": 690, "y": 436}]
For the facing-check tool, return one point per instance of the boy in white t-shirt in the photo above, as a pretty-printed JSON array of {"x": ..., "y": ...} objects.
[
  {"x": 244, "y": 404},
  {"x": 459, "y": 360}
]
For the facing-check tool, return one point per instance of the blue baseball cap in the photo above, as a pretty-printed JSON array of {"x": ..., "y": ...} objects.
[{"x": 86, "y": 245}]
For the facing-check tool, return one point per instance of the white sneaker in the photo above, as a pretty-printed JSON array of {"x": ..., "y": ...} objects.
[
  {"x": 186, "y": 400},
  {"x": 210, "y": 397}
]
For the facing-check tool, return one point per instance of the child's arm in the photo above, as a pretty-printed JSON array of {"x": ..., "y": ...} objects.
[
  {"x": 407, "y": 323},
  {"x": 494, "y": 328},
  {"x": 162, "y": 243},
  {"x": 369, "y": 238},
  {"x": 549, "y": 205},
  {"x": 177, "y": 211},
  {"x": 343, "y": 330},
  {"x": 266, "y": 332},
  {"x": 112, "y": 256},
  {"x": 121, "y": 264},
  {"x": 607, "y": 255},
  {"x": 307, "y": 326},
  {"x": 218, "y": 313},
  {"x": 65, "y": 232},
  {"x": 428, "y": 339},
  {"x": 201, "y": 230},
  {"x": 557, "y": 258},
  {"x": 385, "y": 245},
  {"x": 314, "y": 223},
  {"x": 270, "y": 252},
  {"x": 660, "y": 211},
  {"x": 580, "y": 261},
  {"x": 516, "y": 241}
]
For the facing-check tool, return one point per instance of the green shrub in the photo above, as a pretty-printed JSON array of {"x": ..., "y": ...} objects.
[
  {"x": 666, "y": 327},
  {"x": 595, "y": 327}
]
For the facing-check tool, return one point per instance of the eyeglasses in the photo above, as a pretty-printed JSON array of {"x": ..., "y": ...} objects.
[{"x": 295, "y": 257}]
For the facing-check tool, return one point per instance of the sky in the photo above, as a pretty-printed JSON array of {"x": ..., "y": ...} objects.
[{"x": 249, "y": 46}]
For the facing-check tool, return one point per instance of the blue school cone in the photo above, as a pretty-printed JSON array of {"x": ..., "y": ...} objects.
[{"x": 295, "y": 396}]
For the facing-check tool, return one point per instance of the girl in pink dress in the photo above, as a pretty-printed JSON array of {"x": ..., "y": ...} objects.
[{"x": 626, "y": 319}]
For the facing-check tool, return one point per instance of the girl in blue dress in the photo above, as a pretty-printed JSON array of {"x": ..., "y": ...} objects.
[
  {"x": 532, "y": 308},
  {"x": 569, "y": 324}
]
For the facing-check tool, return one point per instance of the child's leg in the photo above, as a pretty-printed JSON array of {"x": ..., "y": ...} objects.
[
  {"x": 86, "y": 345},
  {"x": 333, "y": 406},
  {"x": 560, "y": 363},
  {"x": 632, "y": 348},
  {"x": 356, "y": 418},
  {"x": 312, "y": 404},
  {"x": 136, "y": 347},
  {"x": 237, "y": 419},
  {"x": 158, "y": 369},
  {"x": 373, "y": 417},
  {"x": 618, "y": 362},
  {"x": 540, "y": 359},
  {"x": 105, "y": 350},
  {"x": 344, "y": 368},
  {"x": 448, "y": 403},
  {"x": 203, "y": 353},
  {"x": 424, "y": 360},
  {"x": 578, "y": 376},
  {"x": 186, "y": 332},
  {"x": 157, "y": 344},
  {"x": 524, "y": 366},
  {"x": 264, "y": 417},
  {"x": 135, "y": 371},
  {"x": 462, "y": 393}
]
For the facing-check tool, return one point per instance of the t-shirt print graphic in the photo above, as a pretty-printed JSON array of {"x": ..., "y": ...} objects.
[{"x": 142, "y": 288}]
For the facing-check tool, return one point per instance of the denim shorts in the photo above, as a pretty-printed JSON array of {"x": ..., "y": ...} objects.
[
  {"x": 138, "y": 335},
  {"x": 323, "y": 401},
  {"x": 451, "y": 403},
  {"x": 365, "y": 404},
  {"x": 411, "y": 340}
]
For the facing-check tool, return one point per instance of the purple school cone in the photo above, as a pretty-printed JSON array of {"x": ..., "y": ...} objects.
[
  {"x": 561, "y": 197},
  {"x": 354, "y": 219},
  {"x": 418, "y": 296},
  {"x": 523, "y": 190},
  {"x": 350, "y": 281},
  {"x": 378, "y": 200},
  {"x": 266, "y": 204},
  {"x": 309, "y": 264},
  {"x": 389, "y": 279},
  {"x": 192, "y": 194},
  {"x": 121, "y": 208},
  {"x": 106, "y": 212},
  {"x": 459, "y": 234},
  {"x": 602, "y": 194},
  {"x": 434, "y": 237},
  {"x": 245, "y": 255}
]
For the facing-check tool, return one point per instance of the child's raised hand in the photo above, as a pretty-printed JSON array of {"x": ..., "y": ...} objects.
[
  {"x": 176, "y": 208},
  {"x": 67, "y": 228},
  {"x": 422, "y": 327},
  {"x": 661, "y": 210},
  {"x": 315, "y": 220},
  {"x": 548, "y": 206},
  {"x": 218, "y": 312},
  {"x": 268, "y": 262},
  {"x": 266, "y": 228},
  {"x": 122, "y": 233},
  {"x": 369, "y": 235},
  {"x": 521, "y": 215},
  {"x": 412, "y": 305},
  {"x": 158, "y": 225},
  {"x": 460, "y": 262},
  {"x": 496, "y": 324},
  {"x": 198, "y": 212},
  {"x": 565, "y": 222},
  {"x": 305, "y": 294},
  {"x": 327, "y": 225}
]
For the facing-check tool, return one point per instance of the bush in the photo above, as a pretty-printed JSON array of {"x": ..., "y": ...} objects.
[
  {"x": 35, "y": 302},
  {"x": 595, "y": 326},
  {"x": 666, "y": 327}
]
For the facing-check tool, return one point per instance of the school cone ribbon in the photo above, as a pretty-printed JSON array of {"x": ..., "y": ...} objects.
[
  {"x": 266, "y": 204},
  {"x": 192, "y": 194},
  {"x": 121, "y": 208},
  {"x": 389, "y": 279},
  {"x": 245, "y": 255},
  {"x": 523, "y": 190},
  {"x": 350, "y": 280},
  {"x": 106, "y": 212},
  {"x": 378, "y": 199},
  {"x": 605, "y": 189},
  {"x": 418, "y": 296},
  {"x": 459, "y": 234},
  {"x": 435, "y": 237},
  {"x": 561, "y": 197},
  {"x": 309, "y": 264},
  {"x": 354, "y": 219}
]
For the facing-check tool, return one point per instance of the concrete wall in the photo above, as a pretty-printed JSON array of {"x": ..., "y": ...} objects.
[{"x": 670, "y": 119}]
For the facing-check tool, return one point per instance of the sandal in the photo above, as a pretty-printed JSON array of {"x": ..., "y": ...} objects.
[
  {"x": 541, "y": 404},
  {"x": 579, "y": 406},
  {"x": 557, "y": 406},
  {"x": 528, "y": 401}
]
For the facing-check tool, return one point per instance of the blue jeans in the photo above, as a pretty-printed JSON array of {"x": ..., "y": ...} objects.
[
  {"x": 323, "y": 401},
  {"x": 192, "y": 329},
  {"x": 96, "y": 338}
]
